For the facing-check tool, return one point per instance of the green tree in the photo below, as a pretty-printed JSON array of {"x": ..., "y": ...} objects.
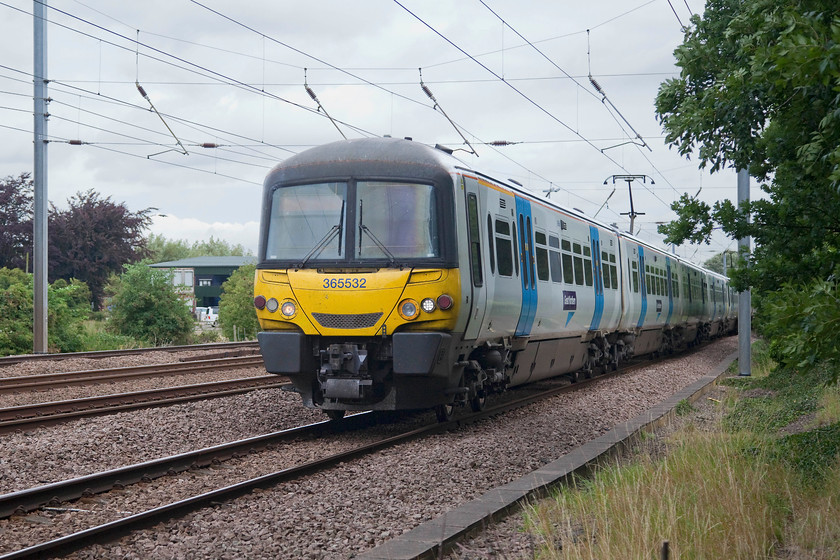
[
  {"x": 69, "y": 307},
  {"x": 217, "y": 248},
  {"x": 758, "y": 90},
  {"x": 15, "y": 312},
  {"x": 146, "y": 307},
  {"x": 162, "y": 249},
  {"x": 802, "y": 322},
  {"x": 88, "y": 241},
  {"x": 15, "y": 221},
  {"x": 236, "y": 306},
  {"x": 716, "y": 262}
]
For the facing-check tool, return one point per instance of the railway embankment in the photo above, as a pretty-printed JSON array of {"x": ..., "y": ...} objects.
[{"x": 750, "y": 469}]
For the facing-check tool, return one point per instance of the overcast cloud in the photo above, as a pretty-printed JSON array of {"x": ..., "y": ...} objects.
[{"x": 236, "y": 79}]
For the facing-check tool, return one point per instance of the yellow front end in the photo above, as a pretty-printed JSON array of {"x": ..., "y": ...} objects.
[{"x": 357, "y": 303}]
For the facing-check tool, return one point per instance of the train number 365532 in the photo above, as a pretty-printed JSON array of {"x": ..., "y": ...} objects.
[{"x": 333, "y": 283}]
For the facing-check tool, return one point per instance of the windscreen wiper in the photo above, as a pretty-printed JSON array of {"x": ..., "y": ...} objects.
[
  {"x": 364, "y": 229},
  {"x": 334, "y": 231}
]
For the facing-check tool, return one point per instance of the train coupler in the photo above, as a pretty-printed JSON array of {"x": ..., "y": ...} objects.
[{"x": 343, "y": 372}]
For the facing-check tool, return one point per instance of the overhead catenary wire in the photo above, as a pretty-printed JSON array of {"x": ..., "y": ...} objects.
[
  {"x": 346, "y": 72},
  {"x": 540, "y": 41},
  {"x": 333, "y": 83},
  {"x": 232, "y": 20},
  {"x": 581, "y": 139},
  {"x": 191, "y": 66},
  {"x": 557, "y": 66},
  {"x": 508, "y": 84},
  {"x": 231, "y": 80},
  {"x": 139, "y": 142},
  {"x": 189, "y": 123},
  {"x": 605, "y": 99}
]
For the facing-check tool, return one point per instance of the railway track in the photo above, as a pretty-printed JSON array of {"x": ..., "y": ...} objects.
[
  {"x": 100, "y": 354},
  {"x": 50, "y": 413},
  {"x": 32, "y": 499},
  {"x": 91, "y": 377}
]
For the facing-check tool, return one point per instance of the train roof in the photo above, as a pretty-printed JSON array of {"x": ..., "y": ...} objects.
[
  {"x": 380, "y": 157},
  {"x": 386, "y": 156}
]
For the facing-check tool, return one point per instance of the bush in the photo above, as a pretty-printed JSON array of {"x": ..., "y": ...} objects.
[
  {"x": 146, "y": 307},
  {"x": 802, "y": 322},
  {"x": 236, "y": 307},
  {"x": 68, "y": 308}
]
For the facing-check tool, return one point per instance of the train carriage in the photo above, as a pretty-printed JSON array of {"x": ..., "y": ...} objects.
[{"x": 392, "y": 276}]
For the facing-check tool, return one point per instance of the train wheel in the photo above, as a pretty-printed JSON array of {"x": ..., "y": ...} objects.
[
  {"x": 335, "y": 415},
  {"x": 574, "y": 377},
  {"x": 444, "y": 412}
]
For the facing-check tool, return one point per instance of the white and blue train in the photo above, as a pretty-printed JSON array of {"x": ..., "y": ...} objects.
[{"x": 392, "y": 276}]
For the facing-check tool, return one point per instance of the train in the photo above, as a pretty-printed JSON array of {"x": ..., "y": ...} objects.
[{"x": 393, "y": 276}]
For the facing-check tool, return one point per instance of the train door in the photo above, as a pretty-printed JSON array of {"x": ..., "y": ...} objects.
[
  {"x": 526, "y": 257},
  {"x": 643, "y": 284},
  {"x": 670, "y": 290},
  {"x": 478, "y": 297},
  {"x": 595, "y": 242}
]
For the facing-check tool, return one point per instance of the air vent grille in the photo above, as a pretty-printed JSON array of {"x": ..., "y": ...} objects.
[{"x": 355, "y": 321}]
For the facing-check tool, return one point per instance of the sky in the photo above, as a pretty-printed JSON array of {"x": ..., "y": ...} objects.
[{"x": 234, "y": 76}]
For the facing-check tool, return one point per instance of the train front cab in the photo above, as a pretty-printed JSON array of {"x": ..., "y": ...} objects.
[{"x": 358, "y": 290}]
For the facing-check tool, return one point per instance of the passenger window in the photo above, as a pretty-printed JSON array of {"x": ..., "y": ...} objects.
[
  {"x": 530, "y": 247},
  {"x": 568, "y": 269},
  {"x": 490, "y": 243},
  {"x": 587, "y": 265},
  {"x": 515, "y": 250},
  {"x": 576, "y": 249},
  {"x": 554, "y": 259},
  {"x": 504, "y": 248},
  {"x": 635, "y": 274},
  {"x": 605, "y": 270},
  {"x": 542, "y": 255},
  {"x": 475, "y": 240}
]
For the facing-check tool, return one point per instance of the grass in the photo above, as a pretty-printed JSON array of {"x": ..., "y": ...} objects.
[
  {"x": 97, "y": 337},
  {"x": 763, "y": 481},
  {"x": 635, "y": 507}
]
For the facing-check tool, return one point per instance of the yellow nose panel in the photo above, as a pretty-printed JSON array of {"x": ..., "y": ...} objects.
[{"x": 350, "y": 303}]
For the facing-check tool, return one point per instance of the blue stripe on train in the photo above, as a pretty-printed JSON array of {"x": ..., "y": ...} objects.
[
  {"x": 670, "y": 291},
  {"x": 598, "y": 280},
  {"x": 643, "y": 286},
  {"x": 528, "y": 311}
]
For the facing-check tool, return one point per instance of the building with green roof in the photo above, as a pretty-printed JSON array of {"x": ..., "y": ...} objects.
[{"x": 199, "y": 279}]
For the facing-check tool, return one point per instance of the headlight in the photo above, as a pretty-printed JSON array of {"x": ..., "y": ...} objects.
[
  {"x": 272, "y": 305},
  {"x": 259, "y": 302},
  {"x": 288, "y": 309},
  {"x": 428, "y": 305},
  {"x": 409, "y": 309}
]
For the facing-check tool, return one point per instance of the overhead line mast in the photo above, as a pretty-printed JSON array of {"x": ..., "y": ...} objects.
[{"x": 39, "y": 233}]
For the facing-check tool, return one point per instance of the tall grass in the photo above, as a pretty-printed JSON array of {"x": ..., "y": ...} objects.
[
  {"x": 762, "y": 482},
  {"x": 712, "y": 496}
]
